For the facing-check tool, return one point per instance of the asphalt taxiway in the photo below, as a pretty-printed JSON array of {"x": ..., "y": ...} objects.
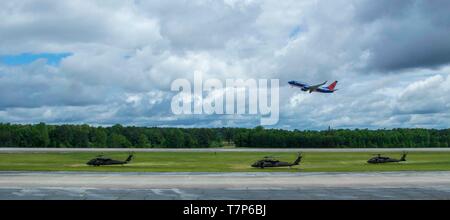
[{"x": 251, "y": 186}]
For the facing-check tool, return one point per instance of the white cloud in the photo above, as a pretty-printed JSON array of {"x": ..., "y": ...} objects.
[{"x": 391, "y": 59}]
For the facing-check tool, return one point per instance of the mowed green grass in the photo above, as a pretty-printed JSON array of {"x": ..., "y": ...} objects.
[{"x": 222, "y": 162}]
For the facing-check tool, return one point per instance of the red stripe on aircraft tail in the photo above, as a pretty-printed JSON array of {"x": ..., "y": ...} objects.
[{"x": 332, "y": 85}]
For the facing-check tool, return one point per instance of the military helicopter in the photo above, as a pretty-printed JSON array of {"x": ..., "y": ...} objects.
[
  {"x": 380, "y": 159},
  {"x": 271, "y": 162},
  {"x": 101, "y": 160}
]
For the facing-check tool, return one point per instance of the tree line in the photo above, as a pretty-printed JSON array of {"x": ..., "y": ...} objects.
[{"x": 118, "y": 136}]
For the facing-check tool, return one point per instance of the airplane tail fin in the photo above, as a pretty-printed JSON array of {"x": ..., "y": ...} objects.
[
  {"x": 332, "y": 85},
  {"x": 299, "y": 158}
]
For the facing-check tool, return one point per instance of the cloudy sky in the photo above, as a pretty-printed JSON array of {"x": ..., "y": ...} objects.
[{"x": 106, "y": 62}]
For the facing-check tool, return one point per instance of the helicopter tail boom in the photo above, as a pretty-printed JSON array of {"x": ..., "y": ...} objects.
[
  {"x": 129, "y": 158},
  {"x": 297, "y": 161},
  {"x": 403, "y": 157}
]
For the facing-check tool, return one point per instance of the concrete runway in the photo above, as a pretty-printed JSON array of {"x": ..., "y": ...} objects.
[
  {"x": 43, "y": 150},
  {"x": 252, "y": 186}
]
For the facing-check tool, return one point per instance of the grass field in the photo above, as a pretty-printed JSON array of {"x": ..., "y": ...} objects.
[{"x": 222, "y": 162}]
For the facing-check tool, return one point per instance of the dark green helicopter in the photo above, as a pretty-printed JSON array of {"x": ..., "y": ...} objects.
[
  {"x": 271, "y": 162},
  {"x": 380, "y": 159},
  {"x": 101, "y": 160}
]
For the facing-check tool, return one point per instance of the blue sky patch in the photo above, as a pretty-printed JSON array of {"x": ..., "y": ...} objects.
[
  {"x": 295, "y": 31},
  {"x": 25, "y": 58}
]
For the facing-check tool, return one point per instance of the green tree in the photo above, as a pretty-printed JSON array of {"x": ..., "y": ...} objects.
[
  {"x": 98, "y": 137},
  {"x": 143, "y": 141},
  {"x": 118, "y": 141},
  {"x": 40, "y": 136}
]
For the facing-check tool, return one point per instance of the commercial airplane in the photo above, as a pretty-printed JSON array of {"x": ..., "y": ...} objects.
[{"x": 314, "y": 88}]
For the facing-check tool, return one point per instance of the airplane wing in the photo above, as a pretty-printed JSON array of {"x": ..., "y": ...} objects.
[{"x": 314, "y": 87}]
